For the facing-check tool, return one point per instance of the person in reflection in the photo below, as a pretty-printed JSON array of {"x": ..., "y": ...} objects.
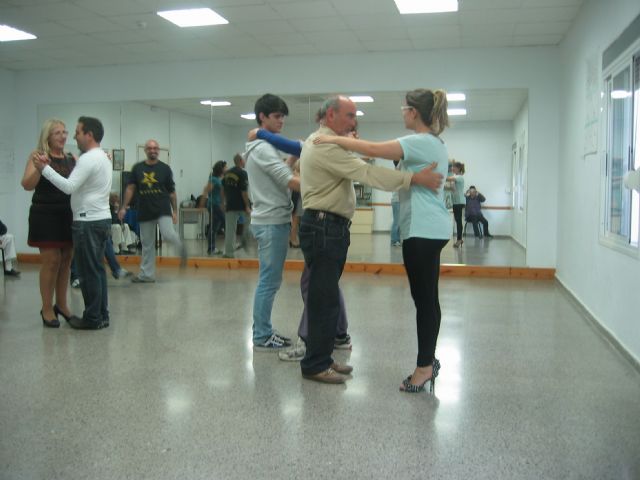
[
  {"x": 152, "y": 180},
  {"x": 236, "y": 194},
  {"x": 271, "y": 181},
  {"x": 50, "y": 221},
  {"x": 457, "y": 198},
  {"x": 123, "y": 240},
  {"x": 425, "y": 225},
  {"x": 328, "y": 197},
  {"x": 213, "y": 196},
  {"x": 8, "y": 245},
  {"x": 89, "y": 185},
  {"x": 473, "y": 212}
]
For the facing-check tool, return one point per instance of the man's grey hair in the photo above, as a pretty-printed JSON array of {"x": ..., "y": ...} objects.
[{"x": 331, "y": 102}]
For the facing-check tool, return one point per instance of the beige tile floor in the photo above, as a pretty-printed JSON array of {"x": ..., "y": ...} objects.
[{"x": 172, "y": 390}]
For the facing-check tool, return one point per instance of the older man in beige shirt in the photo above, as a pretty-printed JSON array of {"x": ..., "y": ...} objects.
[{"x": 327, "y": 173}]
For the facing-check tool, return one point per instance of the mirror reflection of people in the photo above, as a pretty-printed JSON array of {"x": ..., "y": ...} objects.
[
  {"x": 425, "y": 224},
  {"x": 237, "y": 205},
  {"x": 395, "y": 214},
  {"x": 50, "y": 221},
  {"x": 213, "y": 194},
  {"x": 157, "y": 206},
  {"x": 474, "y": 212},
  {"x": 457, "y": 198},
  {"x": 123, "y": 240}
]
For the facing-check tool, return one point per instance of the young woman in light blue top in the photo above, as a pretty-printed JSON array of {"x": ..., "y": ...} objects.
[
  {"x": 425, "y": 224},
  {"x": 458, "y": 199}
]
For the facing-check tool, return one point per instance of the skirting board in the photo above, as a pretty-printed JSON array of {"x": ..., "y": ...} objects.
[
  {"x": 599, "y": 327},
  {"x": 446, "y": 270}
]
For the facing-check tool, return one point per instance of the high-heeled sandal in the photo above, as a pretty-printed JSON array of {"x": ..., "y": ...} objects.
[
  {"x": 55, "y": 323},
  {"x": 411, "y": 388},
  {"x": 57, "y": 311},
  {"x": 458, "y": 244}
]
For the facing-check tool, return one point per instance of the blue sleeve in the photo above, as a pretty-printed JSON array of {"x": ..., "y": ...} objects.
[{"x": 292, "y": 147}]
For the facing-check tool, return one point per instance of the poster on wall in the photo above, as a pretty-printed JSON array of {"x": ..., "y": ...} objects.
[{"x": 592, "y": 106}]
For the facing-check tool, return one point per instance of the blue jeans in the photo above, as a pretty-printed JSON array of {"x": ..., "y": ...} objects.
[
  {"x": 324, "y": 239},
  {"x": 273, "y": 243},
  {"x": 216, "y": 221},
  {"x": 109, "y": 254},
  {"x": 395, "y": 225},
  {"x": 89, "y": 242}
]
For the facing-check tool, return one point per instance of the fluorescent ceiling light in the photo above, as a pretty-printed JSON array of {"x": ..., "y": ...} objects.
[
  {"x": 457, "y": 111},
  {"x": 426, "y": 6},
  {"x": 361, "y": 99},
  {"x": 194, "y": 17},
  {"x": 249, "y": 116},
  {"x": 620, "y": 94},
  {"x": 10, "y": 34},
  {"x": 359, "y": 113},
  {"x": 456, "y": 97},
  {"x": 215, "y": 103}
]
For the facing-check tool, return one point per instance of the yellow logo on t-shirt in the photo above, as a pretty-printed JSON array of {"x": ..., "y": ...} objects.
[{"x": 149, "y": 179}]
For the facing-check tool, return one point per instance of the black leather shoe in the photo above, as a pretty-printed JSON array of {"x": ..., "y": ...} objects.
[
  {"x": 49, "y": 323},
  {"x": 12, "y": 273},
  {"x": 79, "y": 324},
  {"x": 60, "y": 312}
]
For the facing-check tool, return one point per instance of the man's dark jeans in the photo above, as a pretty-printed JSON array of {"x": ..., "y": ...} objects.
[
  {"x": 89, "y": 242},
  {"x": 324, "y": 239}
]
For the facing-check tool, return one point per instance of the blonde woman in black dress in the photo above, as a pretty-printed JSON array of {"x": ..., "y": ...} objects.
[{"x": 50, "y": 221}]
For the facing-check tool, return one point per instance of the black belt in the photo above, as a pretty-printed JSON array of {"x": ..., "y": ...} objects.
[{"x": 322, "y": 215}]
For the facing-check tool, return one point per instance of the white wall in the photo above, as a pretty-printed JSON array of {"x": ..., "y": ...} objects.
[
  {"x": 9, "y": 168},
  {"x": 606, "y": 282},
  {"x": 533, "y": 68},
  {"x": 521, "y": 138}
]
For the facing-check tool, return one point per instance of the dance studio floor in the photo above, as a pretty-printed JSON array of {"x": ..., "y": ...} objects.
[{"x": 529, "y": 389}]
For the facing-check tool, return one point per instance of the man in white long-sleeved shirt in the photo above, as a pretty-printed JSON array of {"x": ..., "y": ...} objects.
[{"x": 89, "y": 185}]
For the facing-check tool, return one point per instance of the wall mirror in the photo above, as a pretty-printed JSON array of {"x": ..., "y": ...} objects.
[{"x": 491, "y": 140}]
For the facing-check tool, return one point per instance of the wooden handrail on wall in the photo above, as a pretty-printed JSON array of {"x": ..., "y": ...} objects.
[{"x": 487, "y": 207}]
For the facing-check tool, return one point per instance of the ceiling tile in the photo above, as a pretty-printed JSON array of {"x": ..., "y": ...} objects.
[
  {"x": 542, "y": 28},
  {"x": 324, "y": 24},
  {"x": 377, "y": 20},
  {"x": 113, "y": 7},
  {"x": 358, "y": 7},
  {"x": 281, "y": 39},
  {"x": 250, "y": 13},
  {"x": 442, "y": 30},
  {"x": 317, "y": 9},
  {"x": 267, "y": 26},
  {"x": 91, "y": 25},
  {"x": 299, "y": 49},
  {"x": 485, "y": 41},
  {"x": 382, "y": 34},
  {"x": 387, "y": 45},
  {"x": 532, "y": 40},
  {"x": 437, "y": 41}
]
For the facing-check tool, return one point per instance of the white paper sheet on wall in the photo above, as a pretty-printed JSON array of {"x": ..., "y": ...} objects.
[
  {"x": 7, "y": 161},
  {"x": 592, "y": 106}
]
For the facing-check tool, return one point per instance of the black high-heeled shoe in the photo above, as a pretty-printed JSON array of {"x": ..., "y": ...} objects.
[
  {"x": 411, "y": 388},
  {"x": 57, "y": 311},
  {"x": 55, "y": 323}
]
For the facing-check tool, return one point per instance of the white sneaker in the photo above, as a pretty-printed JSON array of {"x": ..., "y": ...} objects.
[
  {"x": 75, "y": 283},
  {"x": 274, "y": 342},
  {"x": 124, "y": 273},
  {"x": 294, "y": 354}
]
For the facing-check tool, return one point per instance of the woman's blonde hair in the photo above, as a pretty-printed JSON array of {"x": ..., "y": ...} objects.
[
  {"x": 431, "y": 106},
  {"x": 45, "y": 133}
]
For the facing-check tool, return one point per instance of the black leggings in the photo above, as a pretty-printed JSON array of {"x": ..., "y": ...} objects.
[
  {"x": 457, "y": 215},
  {"x": 422, "y": 261}
]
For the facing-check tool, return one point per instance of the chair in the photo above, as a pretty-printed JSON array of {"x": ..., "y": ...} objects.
[{"x": 480, "y": 228}]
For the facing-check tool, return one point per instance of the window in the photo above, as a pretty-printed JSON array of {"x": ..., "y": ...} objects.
[{"x": 621, "y": 206}]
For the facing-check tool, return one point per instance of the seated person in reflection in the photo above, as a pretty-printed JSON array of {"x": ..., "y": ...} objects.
[
  {"x": 473, "y": 211},
  {"x": 122, "y": 238}
]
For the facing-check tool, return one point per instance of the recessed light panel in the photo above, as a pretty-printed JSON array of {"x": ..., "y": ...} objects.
[
  {"x": 215, "y": 103},
  {"x": 426, "y": 6},
  {"x": 361, "y": 99},
  {"x": 456, "y": 97},
  {"x": 10, "y": 34},
  {"x": 453, "y": 112},
  {"x": 359, "y": 113},
  {"x": 249, "y": 116},
  {"x": 194, "y": 17}
]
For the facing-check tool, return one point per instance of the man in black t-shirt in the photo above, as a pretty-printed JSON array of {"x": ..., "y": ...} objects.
[
  {"x": 157, "y": 205},
  {"x": 236, "y": 184}
]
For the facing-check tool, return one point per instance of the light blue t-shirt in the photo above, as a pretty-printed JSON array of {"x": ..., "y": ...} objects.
[
  {"x": 422, "y": 212},
  {"x": 458, "y": 197}
]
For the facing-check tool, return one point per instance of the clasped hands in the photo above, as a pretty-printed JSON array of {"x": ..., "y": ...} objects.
[{"x": 40, "y": 160}]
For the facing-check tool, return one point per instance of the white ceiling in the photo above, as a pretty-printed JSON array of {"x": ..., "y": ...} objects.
[
  {"x": 75, "y": 33},
  {"x": 481, "y": 105},
  {"x": 110, "y": 32}
]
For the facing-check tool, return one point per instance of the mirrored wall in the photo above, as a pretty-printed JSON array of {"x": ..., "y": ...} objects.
[{"x": 491, "y": 140}]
